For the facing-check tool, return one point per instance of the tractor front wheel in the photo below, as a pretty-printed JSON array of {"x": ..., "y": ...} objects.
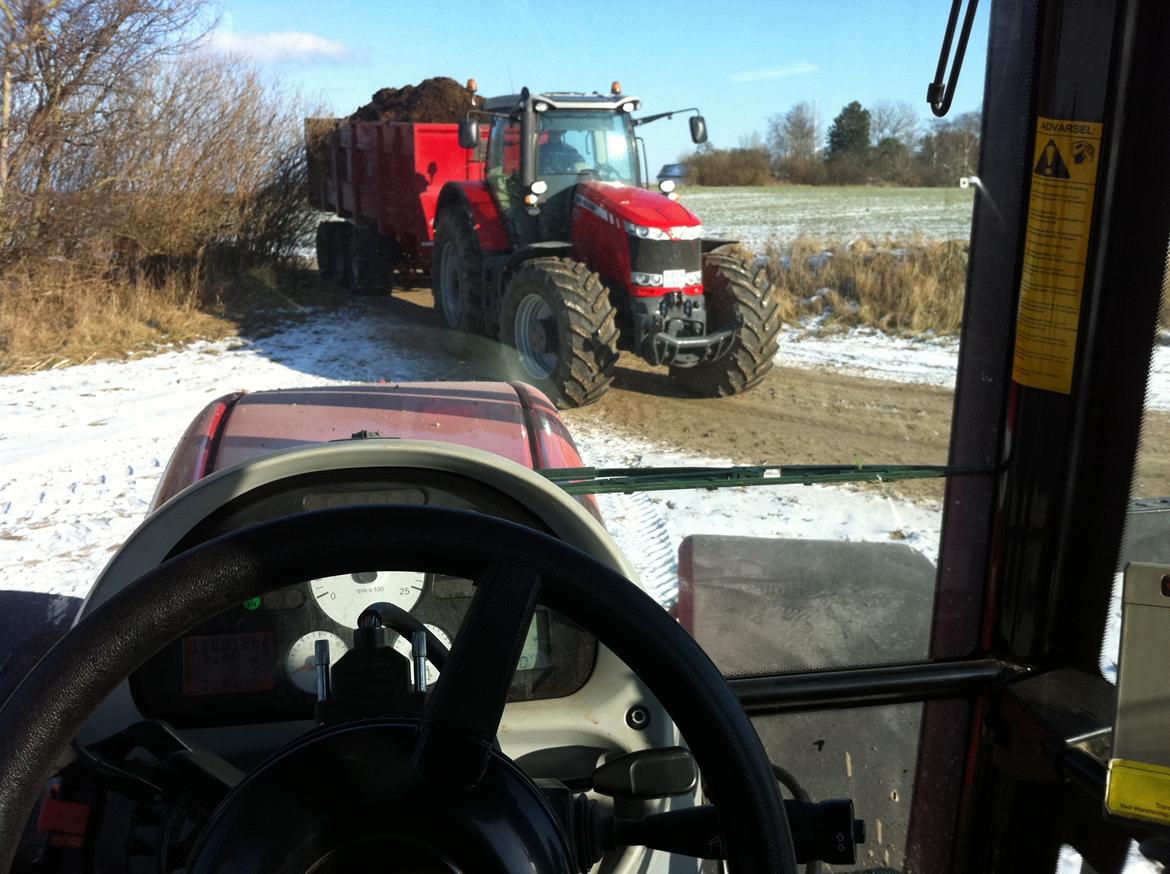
[
  {"x": 456, "y": 274},
  {"x": 737, "y": 294},
  {"x": 556, "y": 314}
]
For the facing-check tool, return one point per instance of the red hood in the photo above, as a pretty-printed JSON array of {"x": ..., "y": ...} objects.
[
  {"x": 487, "y": 416},
  {"x": 637, "y": 205}
]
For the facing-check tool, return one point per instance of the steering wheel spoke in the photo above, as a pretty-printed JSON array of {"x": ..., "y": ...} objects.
[{"x": 465, "y": 706}]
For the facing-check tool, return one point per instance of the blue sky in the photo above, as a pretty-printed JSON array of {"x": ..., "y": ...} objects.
[{"x": 740, "y": 62}]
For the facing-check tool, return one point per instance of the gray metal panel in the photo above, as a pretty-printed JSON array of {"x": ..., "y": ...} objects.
[
  {"x": 1140, "y": 729},
  {"x": 768, "y": 605}
]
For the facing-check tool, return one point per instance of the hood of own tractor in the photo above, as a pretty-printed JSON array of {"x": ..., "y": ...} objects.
[{"x": 637, "y": 205}]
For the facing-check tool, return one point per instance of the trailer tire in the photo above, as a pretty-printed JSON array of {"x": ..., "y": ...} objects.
[
  {"x": 342, "y": 234},
  {"x": 736, "y": 292},
  {"x": 369, "y": 268},
  {"x": 568, "y": 297},
  {"x": 328, "y": 251},
  {"x": 457, "y": 274}
]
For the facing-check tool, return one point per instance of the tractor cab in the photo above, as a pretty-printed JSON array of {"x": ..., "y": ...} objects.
[
  {"x": 563, "y": 256},
  {"x": 541, "y": 146}
]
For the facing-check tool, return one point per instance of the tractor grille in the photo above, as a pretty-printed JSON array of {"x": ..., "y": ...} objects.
[{"x": 656, "y": 256}]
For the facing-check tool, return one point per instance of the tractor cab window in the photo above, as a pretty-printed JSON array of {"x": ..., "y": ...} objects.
[
  {"x": 503, "y": 165},
  {"x": 572, "y": 145}
]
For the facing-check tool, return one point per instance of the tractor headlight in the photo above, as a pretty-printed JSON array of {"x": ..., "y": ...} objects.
[
  {"x": 652, "y": 280},
  {"x": 541, "y": 106},
  {"x": 644, "y": 232},
  {"x": 538, "y": 187},
  {"x": 666, "y": 186}
]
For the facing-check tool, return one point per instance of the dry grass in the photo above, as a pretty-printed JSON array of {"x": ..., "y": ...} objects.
[
  {"x": 61, "y": 316},
  {"x": 895, "y": 286}
]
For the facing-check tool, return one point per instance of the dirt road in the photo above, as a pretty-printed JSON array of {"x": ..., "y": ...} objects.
[{"x": 794, "y": 416}]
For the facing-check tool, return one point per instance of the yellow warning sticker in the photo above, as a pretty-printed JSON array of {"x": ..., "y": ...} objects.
[
  {"x": 1060, "y": 217},
  {"x": 1138, "y": 791}
]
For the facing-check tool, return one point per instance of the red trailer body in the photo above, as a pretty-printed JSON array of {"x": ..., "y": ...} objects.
[{"x": 386, "y": 177}]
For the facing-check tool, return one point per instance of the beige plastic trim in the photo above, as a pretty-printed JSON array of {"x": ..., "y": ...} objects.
[
  {"x": 592, "y": 716},
  {"x": 158, "y": 534}
]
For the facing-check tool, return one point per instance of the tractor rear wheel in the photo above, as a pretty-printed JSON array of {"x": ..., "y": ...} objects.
[
  {"x": 456, "y": 274},
  {"x": 557, "y": 315},
  {"x": 736, "y": 293}
]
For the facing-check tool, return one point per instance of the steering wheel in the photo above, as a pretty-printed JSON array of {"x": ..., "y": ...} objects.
[
  {"x": 439, "y": 794},
  {"x": 604, "y": 172}
]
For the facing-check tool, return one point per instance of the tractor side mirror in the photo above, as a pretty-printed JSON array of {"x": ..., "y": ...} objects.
[
  {"x": 468, "y": 133},
  {"x": 698, "y": 129}
]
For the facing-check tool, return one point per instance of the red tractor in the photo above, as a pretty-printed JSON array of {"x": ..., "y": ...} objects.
[{"x": 560, "y": 252}]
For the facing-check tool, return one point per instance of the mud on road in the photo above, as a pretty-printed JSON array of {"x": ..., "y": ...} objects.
[{"x": 794, "y": 416}]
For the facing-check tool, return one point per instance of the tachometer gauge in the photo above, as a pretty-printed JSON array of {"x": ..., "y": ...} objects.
[
  {"x": 301, "y": 669},
  {"x": 345, "y": 596},
  {"x": 402, "y": 645}
]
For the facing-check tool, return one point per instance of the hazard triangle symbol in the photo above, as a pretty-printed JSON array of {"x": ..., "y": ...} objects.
[{"x": 1051, "y": 164}]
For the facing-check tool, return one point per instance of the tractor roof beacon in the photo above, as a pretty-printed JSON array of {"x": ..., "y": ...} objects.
[{"x": 561, "y": 253}]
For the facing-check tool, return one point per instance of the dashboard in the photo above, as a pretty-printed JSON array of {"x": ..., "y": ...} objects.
[{"x": 255, "y": 662}]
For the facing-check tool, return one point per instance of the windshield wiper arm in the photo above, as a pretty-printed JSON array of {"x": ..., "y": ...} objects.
[{"x": 603, "y": 480}]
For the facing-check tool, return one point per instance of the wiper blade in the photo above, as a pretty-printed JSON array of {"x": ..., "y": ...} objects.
[{"x": 626, "y": 480}]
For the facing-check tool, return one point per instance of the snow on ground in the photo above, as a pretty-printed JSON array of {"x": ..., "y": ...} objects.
[
  {"x": 81, "y": 450},
  {"x": 927, "y": 359}
]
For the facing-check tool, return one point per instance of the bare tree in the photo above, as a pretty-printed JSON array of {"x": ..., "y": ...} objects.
[
  {"x": 950, "y": 149},
  {"x": 795, "y": 134},
  {"x": 752, "y": 141},
  {"x": 67, "y": 63},
  {"x": 894, "y": 120}
]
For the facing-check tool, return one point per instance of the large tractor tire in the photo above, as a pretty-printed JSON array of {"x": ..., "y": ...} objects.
[
  {"x": 557, "y": 315},
  {"x": 457, "y": 274},
  {"x": 736, "y": 293}
]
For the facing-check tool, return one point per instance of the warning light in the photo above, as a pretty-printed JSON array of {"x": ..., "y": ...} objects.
[
  {"x": 252, "y": 603},
  {"x": 616, "y": 87}
]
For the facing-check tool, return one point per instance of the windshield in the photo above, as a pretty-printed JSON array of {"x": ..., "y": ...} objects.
[
  {"x": 726, "y": 324},
  {"x": 594, "y": 143}
]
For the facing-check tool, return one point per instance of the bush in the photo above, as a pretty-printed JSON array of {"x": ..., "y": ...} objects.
[
  {"x": 729, "y": 167},
  {"x": 895, "y": 286},
  {"x": 133, "y": 163}
]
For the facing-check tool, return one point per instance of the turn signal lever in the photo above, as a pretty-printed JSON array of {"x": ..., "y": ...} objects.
[
  {"x": 824, "y": 830},
  {"x": 660, "y": 772}
]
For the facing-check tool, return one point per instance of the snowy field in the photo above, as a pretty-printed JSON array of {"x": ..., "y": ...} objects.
[{"x": 758, "y": 215}]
